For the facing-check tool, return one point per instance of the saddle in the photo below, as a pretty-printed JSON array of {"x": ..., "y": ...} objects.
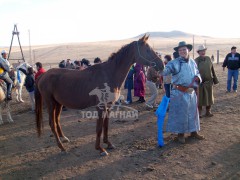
[{"x": 4, "y": 86}]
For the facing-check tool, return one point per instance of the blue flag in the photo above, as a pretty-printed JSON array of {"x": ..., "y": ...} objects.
[{"x": 161, "y": 113}]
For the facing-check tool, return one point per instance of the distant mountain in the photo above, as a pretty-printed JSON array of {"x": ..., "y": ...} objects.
[{"x": 171, "y": 34}]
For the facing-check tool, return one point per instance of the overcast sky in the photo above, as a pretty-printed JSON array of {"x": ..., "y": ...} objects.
[{"x": 65, "y": 21}]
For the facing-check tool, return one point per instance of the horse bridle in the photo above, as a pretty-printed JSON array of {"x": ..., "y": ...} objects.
[{"x": 152, "y": 63}]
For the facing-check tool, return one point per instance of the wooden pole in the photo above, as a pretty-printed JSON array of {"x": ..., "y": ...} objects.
[{"x": 217, "y": 56}]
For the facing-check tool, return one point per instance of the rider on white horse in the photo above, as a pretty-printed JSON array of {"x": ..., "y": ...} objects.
[{"x": 4, "y": 69}]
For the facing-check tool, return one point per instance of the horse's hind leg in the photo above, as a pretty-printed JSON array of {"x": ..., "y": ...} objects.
[
  {"x": 52, "y": 122},
  {"x": 59, "y": 128},
  {"x": 105, "y": 131}
]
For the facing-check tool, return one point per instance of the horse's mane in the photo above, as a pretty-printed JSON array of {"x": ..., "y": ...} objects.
[{"x": 117, "y": 56}]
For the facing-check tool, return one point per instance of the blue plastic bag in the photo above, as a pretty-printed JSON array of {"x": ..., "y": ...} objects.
[{"x": 161, "y": 113}]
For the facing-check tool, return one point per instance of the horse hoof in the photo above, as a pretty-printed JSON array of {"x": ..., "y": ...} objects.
[
  {"x": 104, "y": 153},
  {"x": 65, "y": 139},
  {"x": 111, "y": 147}
]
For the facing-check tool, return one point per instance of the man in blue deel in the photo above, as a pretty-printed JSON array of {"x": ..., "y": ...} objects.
[{"x": 183, "y": 114}]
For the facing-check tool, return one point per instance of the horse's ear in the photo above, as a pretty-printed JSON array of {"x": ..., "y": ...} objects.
[
  {"x": 146, "y": 38},
  {"x": 143, "y": 38}
]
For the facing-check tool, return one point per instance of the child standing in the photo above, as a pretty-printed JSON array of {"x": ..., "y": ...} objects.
[{"x": 29, "y": 84}]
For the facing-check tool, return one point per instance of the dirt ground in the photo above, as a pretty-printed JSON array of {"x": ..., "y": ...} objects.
[{"x": 25, "y": 156}]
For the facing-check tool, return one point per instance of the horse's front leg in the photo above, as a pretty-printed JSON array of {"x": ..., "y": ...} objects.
[
  {"x": 9, "y": 117},
  {"x": 103, "y": 152},
  {"x": 1, "y": 120},
  {"x": 105, "y": 131},
  {"x": 20, "y": 93}
]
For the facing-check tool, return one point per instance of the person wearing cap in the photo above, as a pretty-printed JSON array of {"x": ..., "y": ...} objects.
[
  {"x": 4, "y": 69},
  {"x": 232, "y": 62},
  {"x": 183, "y": 114},
  {"x": 208, "y": 75}
]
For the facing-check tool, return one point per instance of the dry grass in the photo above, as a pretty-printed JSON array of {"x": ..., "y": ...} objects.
[{"x": 52, "y": 54}]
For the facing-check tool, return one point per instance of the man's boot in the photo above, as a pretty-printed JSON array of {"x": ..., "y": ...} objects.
[
  {"x": 181, "y": 138},
  {"x": 200, "y": 111},
  {"x": 9, "y": 91},
  {"x": 197, "y": 136},
  {"x": 208, "y": 111}
]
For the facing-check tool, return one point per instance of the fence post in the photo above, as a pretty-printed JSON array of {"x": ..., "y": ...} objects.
[{"x": 217, "y": 56}]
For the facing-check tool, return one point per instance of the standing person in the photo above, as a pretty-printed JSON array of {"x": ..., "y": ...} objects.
[
  {"x": 205, "y": 90},
  {"x": 167, "y": 79},
  {"x": 40, "y": 70},
  {"x": 85, "y": 64},
  {"x": 183, "y": 114},
  {"x": 152, "y": 77},
  {"x": 139, "y": 82},
  {"x": 159, "y": 83},
  {"x": 4, "y": 69},
  {"x": 129, "y": 85},
  {"x": 232, "y": 62},
  {"x": 69, "y": 64},
  {"x": 212, "y": 58},
  {"x": 29, "y": 84},
  {"x": 97, "y": 60}
]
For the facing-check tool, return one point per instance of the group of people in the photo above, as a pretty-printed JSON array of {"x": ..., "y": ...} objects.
[
  {"x": 79, "y": 65},
  {"x": 187, "y": 82},
  {"x": 29, "y": 83}
]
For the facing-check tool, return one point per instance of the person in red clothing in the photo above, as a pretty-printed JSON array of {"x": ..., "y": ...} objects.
[{"x": 40, "y": 70}]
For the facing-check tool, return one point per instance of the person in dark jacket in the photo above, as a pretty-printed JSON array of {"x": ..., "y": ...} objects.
[
  {"x": 129, "y": 85},
  {"x": 29, "y": 84},
  {"x": 232, "y": 62}
]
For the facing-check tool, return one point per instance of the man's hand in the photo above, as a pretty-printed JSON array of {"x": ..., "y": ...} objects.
[{"x": 196, "y": 79}]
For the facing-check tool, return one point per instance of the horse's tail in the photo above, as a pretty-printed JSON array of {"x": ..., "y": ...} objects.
[{"x": 38, "y": 110}]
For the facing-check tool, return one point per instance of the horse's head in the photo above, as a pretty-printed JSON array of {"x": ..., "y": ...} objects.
[
  {"x": 146, "y": 55},
  {"x": 24, "y": 66}
]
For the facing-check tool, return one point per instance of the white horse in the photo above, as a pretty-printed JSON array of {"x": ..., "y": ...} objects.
[
  {"x": 20, "y": 76},
  {"x": 4, "y": 103}
]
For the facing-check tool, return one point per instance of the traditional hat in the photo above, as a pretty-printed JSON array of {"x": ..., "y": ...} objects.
[
  {"x": 183, "y": 44},
  {"x": 201, "y": 48},
  {"x": 3, "y": 52}
]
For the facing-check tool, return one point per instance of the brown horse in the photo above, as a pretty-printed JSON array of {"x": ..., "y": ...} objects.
[{"x": 71, "y": 88}]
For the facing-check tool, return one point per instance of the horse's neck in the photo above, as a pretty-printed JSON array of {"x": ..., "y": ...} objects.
[{"x": 119, "y": 70}]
